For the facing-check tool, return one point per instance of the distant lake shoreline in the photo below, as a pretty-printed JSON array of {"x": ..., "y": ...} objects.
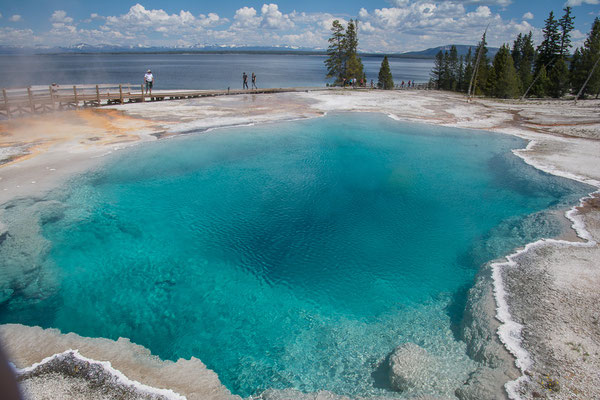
[
  {"x": 191, "y": 70},
  {"x": 192, "y": 52}
]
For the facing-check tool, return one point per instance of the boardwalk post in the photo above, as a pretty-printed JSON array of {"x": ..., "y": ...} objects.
[
  {"x": 6, "y": 103},
  {"x": 143, "y": 98},
  {"x": 52, "y": 97},
  {"x": 98, "y": 95},
  {"x": 76, "y": 100},
  {"x": 30, "y": 100},
  {"x": 121, "y": 93}
]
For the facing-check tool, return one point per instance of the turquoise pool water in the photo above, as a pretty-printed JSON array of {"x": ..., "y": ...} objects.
[{"x": 291, "y": 255}]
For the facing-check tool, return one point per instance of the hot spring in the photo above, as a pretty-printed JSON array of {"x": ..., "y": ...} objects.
[{"x": 290, "y": 255}]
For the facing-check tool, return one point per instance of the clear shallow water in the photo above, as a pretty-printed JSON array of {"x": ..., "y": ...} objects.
[
  {"x": 190, "y": 71},
  {"x": 291, "y": 255}
]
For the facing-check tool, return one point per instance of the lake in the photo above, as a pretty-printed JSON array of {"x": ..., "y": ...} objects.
[{"x": 190, "y": 71}]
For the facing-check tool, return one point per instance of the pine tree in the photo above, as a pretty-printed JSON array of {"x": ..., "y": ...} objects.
[
  {"x": 566, "y": 26},
  {"x": 517, "y": 51},
  {"x": 540, "y": 87},
  {"x": 503, "y": 80},
  {"x": 482, "y": 71},
  {"x": 490, "y": 85},
  {"x": 549, "y": 49},
  {"x": 453, "y": 68},
  {"x": 438, "y": 70},
  {"x": 525, "y": 70},
  {"x": 468, "y": 70},
  {"x": 583, "y": 63},
  {"x": 336, "y": 54},
  {"x": 559, "y": 79},
  {"x": 446, "y": 75},
  {"x": 385, "y": 75},
  {"x": 354, "y": 66},
  {"x": 460, "y": 83},
  {"x": 576, "y": 73}
]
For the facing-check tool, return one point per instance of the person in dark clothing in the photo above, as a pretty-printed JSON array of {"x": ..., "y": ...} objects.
[
  {"x": 245, "y": 80},
  {"x": 254, "y": 81}
]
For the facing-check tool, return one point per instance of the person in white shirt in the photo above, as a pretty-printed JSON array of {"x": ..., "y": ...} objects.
[{"x": 149, "y": 80}]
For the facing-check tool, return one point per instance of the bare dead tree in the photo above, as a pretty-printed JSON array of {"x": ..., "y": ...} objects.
[
  {"x": 473, "y": 81},
  {"x": 587, "y": 80},
  {"x": 533, "y": 82}
]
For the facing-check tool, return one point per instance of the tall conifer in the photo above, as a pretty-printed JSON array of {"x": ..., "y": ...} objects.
[
  {"x": 584, "y": 62},
  {"x": 354, "y": 66},
  {"x": 481, "y": 70},
  {"x": 453, "y": 68},
  {"x": 525, "y": 69},
  {"x": 468, "y": 70},
  {"x": 566, "y": 23},
  {"x": 446, "y": 74},
  {"x": 385, "y": 75},
  {"x": 460, "y": 83},
  {"x": 549, "y": 49},
  {"x": 540, "y": 86},
  {"x": 336, "y": 53},
  {"x": 503, "y": 80},
  {"x": 438, "y": 70},
  {"x": 517, "y": 51},
  {"x": 558, "y": 79}
]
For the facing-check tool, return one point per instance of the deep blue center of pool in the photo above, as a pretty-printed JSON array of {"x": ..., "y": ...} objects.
[{"x": 291, "y": 255}]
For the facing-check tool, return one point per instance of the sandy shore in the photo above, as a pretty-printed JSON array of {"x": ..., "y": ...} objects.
[{"x": 544, "y": 298}]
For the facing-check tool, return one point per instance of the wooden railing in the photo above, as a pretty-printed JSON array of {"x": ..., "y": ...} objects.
[
  {"x": 39, "y": 99},
  {"x": 42, "y": 99}
]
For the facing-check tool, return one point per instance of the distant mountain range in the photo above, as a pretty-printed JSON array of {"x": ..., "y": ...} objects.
[
  {"x": 462, "y": 50},
  {"x": 83, "y": 48},
  {"x": 109, "y": 48}
]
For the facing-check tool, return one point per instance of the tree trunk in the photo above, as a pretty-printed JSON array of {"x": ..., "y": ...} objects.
[
  {"x": 587, "y": 80},
  {"x": 476, "y": 69}
]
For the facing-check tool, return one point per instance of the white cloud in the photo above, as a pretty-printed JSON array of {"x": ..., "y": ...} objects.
[
  {"x": 61, "y": 16},
  {"x": 528, "y": 15},
  {"x": 327, "y": 21},
  {"x": 400, "y": 3},
  {"x": 274, "y": 19},
  {"x": 245, "y": 17},
  {"x": 15, "y": 18},
  {"x": 502, "y": 3},
  {"x": 575, "y": 3},
  {"x": 138, "y": 19},
  {"x": 366, "y": 27},
  {"x": 304, "y": 39},
  {"x": 410, "y": 25},
  {"x": 211, "y": 19},
  {"x": 17, "y": 37},
  {"x": 61, "y": 27},
  {"x": 424, "y": 24},
  {"x": 390, "y": 17},
  {"x": 482, "y": 11}
]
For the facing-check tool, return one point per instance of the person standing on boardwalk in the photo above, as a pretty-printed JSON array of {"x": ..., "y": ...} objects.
[
  {"x": 254, "y": 81},
  {"x": 149, "y": 80},
  {"x": 245, "y": 81}
]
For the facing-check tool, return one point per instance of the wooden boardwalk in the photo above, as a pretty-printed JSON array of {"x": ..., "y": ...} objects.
[{"x": 36, "y": 100}]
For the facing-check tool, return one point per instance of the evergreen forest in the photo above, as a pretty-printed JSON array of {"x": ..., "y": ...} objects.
[{"x": 523, "y": 70}]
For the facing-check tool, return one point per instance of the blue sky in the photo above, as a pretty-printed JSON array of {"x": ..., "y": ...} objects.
[{"x": 387, "y": 26}]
